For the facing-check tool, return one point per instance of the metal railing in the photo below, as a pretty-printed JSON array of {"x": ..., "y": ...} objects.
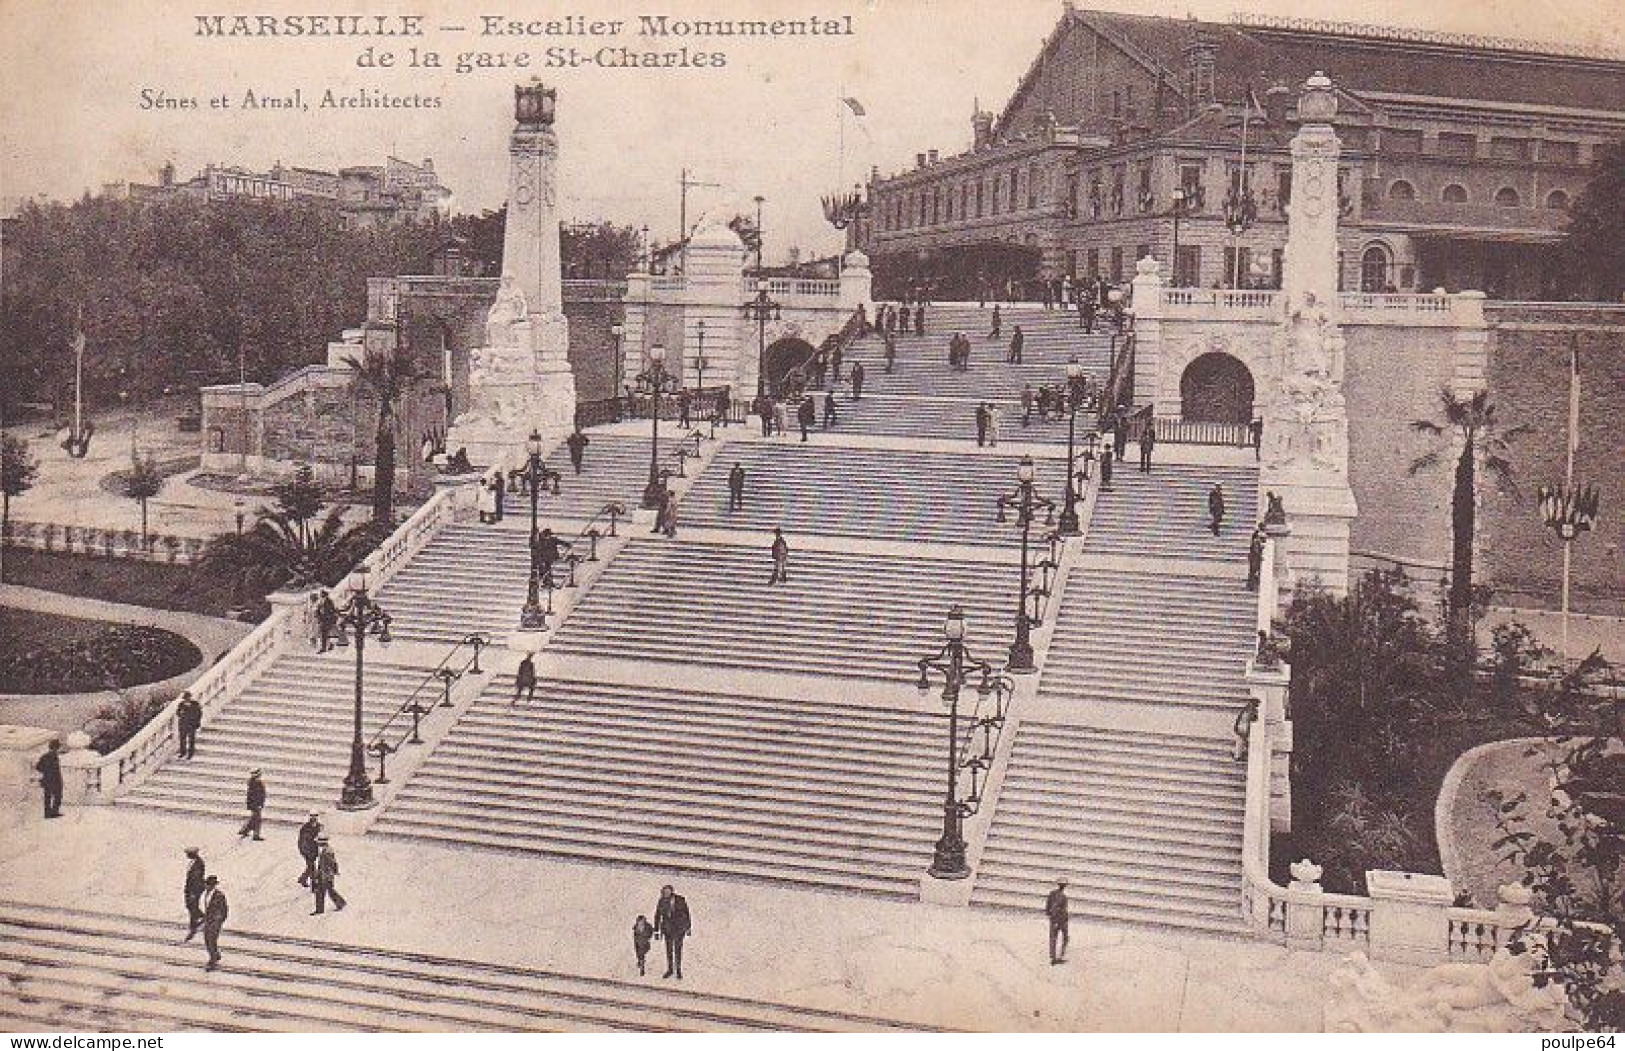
[
  {"x": 442, "y": 677},
  {"x": 624, "y": 407},
  {"x": 1176, "y": 431},
  {"x": 980, "y": 744}
]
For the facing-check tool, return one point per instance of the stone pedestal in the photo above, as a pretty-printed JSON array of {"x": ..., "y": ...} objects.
[
  {"x": 77, "y": 757},
  {"x": 857, "y": 282},
  {"x": 1409, "y": 916},
  {"x": 1268, "y": 685},
  {"x": 300, "y": 628}
]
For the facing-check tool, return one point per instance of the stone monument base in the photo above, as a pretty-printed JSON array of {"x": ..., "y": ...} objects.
[
  {"x": 520, "y": 382},
  {"x": 1320, "y": 513}
]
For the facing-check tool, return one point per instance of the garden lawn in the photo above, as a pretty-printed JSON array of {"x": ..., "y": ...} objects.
[
  {"x": 160, "y": 585},
  {"x": 46, "y": 653}
]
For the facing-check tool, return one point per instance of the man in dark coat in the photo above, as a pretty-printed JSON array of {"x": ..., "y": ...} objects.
[
  {"x": 806, "y": 415},
  {"x": 736, "y": 488},
  {"x": 857, "y": 380},
  {"x": 1215, "y": 507},
  {"x": 524, "y": 680},
  {"x": 327, "y": 622},
  {"x": 193, "y": 892},
  {"x": 49, "y": 766},
  {"x": 549, "y": 548},
  {"x": 309, "y": 848},
  {"x": 327, "y": 874},
  {"x": 577, "y": 444},
  {"x": 684, "y": 401},
  {"x": 1087, "y": 305},
  {"x": 891, "y": 353},
  {"x": 1106, "y": 459},
  {"x": 256, "y": 805},
  {"x": 835, "y": 356},
  {"x": 781, "y": 558},
  {"x": 982, "y": 420},
  {"x": 1255, "y": 435},
  {"x": 1120, "y": 440},
  {"x": 1148, "y": 442},
  {"x": 830, "y": 414},
  {"x": 1059, "y": 912},
  {"x": 188, "y": 718},
  {"x": 919, "y": 320},
  {"x": 214, "y": 919},
  {"x": 673, "y": 923},
  {"x": 1018, "y": 340},
  {"x": 998, "y": 323},
  {"x": 1255, "y": 557}
]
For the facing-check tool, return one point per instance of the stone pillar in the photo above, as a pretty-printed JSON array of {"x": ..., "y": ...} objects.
[
  {"x": 1410, "y": 920},
  {"x": 77, "y": 758},
  {"x": 713, "y": 289},
  {"x": 300, "y": 628},
  {"x": 1305, "y": 911},
  {"x": 635, "y": 325},
  {"x": 1470, "y": 344},
  {"x": 1268, "y": 685},
  {"x": 1306, "y": 454},
  {"x": 857, "y": 283},
  {"x": 520, "y": 378},
  {"x": 1147, "y": 300}
]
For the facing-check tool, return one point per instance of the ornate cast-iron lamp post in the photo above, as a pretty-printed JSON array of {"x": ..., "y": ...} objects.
[
  {"x": 956, "y": 666},
  {"x": 1568, "y": 510},
  {"x": 1075, "y": 390},
  {"x": 363, "y": 617},
  {"x": 1026, "y": 503},
  {"x": 536, "y": 474},
  {"x": 617, "y": 332},
  {"x": 700, "y": 363},
  {"x": 654, "y": 380},
  {"x": 761, "y": 310}
]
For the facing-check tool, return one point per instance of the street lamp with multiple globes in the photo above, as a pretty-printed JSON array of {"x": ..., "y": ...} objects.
[
  {"x": 1026, "y": 503},
  {"x": 1568, "y": 510},
  {"x": 654, "y": 380},
  {"x": 956, "y": 666},
  {"x": 363, "y": 617},
  {"x": 537, "y": 475},
  {"x": 1076, "y": 389},
  {"x": 761, "y": 310}
]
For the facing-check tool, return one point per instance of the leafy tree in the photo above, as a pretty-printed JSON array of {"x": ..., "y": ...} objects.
[
  {"x": 1595, "y": 242},
  {"x": 389, "y": 377},
  {"x": 143, "y": 482},
  {"x": 1484, "y": 443},
  {"x": 1577, "y": 879},
  {"x": 18, "y": 471}
]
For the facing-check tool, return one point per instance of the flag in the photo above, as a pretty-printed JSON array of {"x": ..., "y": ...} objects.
[{"x": 855, "y": 106}]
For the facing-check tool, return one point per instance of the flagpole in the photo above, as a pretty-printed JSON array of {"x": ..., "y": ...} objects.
[{"x": 840, "y": 132}]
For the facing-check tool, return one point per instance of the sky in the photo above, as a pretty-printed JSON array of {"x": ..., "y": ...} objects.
[{"x": 72, "y": 73}]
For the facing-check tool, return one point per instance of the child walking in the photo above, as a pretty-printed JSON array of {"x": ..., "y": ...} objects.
[{"x": 643, "y": 933}]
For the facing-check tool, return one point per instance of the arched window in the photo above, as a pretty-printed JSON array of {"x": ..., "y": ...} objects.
[
  {"x": 1455, "y": 193},
  {"x": 1558, "y": 200},
  {"x": 1507, "y": 197},
  {"x": 1375, "y": 268},
  {"x": 1400, "y": 190}
]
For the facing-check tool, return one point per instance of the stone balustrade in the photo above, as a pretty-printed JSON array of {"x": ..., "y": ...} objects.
[{"x": 828, "y": 288}]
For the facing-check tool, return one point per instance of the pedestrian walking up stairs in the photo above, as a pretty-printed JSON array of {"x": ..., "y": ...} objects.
[
  {"x": 843, "y": 615},
  {"x": 878, "y": 494},
  {"x": 1145, "y": 827},
  {"x": 294, "y": 723},
  {"x": 822, "y": 793},
  {"x": 1124, "y": 782},
  {"x": 1164, "y": 514},
  {"x": 79, "y": 971}
]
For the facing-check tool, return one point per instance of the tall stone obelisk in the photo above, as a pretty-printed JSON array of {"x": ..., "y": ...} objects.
[
  {"x": 520, "y": 379},
  {"x": 1306, "y": 433}
]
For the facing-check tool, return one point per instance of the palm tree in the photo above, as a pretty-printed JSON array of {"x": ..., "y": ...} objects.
[
  {"x": 288, "y": 547},
  {"x": 1485, "y": 444},
  {"x": 390, "y": 375}
]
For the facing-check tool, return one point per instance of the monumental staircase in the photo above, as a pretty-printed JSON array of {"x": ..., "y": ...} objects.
[
  {"x": 78, "y": 970},
  {"x": 693, "y": 718}
]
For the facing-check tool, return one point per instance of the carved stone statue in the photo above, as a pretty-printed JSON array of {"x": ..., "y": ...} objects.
[
  {"x": 1498, "y": 997},
  {"x": 506, "y": 314}
]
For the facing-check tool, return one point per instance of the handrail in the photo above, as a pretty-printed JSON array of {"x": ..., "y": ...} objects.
[
  {"x": 978, "y": 761},
  {"x": 443, "y": 674},
  {"x": 590, "y": 532}
]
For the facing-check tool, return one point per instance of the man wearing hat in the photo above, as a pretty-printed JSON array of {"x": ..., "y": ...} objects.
[
  {"x": 309, "y": 848},
  {"x": 1059, "y": 916},
  {"x": 256, "y": 805},
  {"x": 194, "y": 892},
  {"x": 327, "y": 870},
  {"x": 214, "y": 918}
]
